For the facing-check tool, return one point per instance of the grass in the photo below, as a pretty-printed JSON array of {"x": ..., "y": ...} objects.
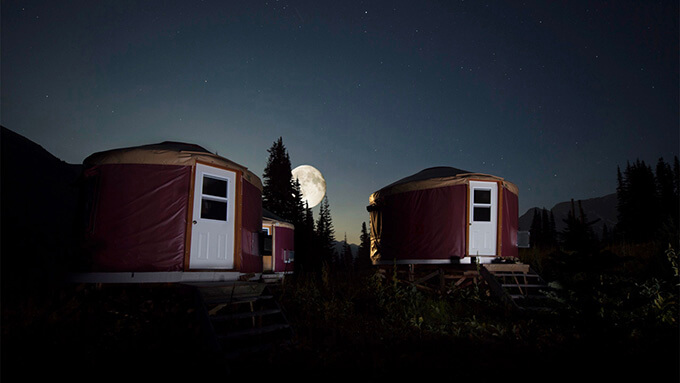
[{"x": 616, "y": 320}]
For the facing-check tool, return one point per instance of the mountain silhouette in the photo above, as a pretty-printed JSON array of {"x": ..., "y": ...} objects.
[
  {"x": 39, "y": 199},
  {"x": 602, "y": 209}
]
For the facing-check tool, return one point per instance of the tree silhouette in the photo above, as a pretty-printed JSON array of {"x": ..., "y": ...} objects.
[
  {"x": 578, "y": 235},
  {"x": 278, "y": 192},
  {"x": 282, "y": 196},
  {"x": 543, "y": 228},
  {"x": 346, "y": 258},
  {"x": 325, "y": 233},
  {"x": 364, "y": 253},
  {"x": 648, "y": 203}
]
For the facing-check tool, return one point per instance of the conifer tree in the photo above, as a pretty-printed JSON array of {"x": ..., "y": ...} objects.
[
  {"x": 578, "y": 235},
  {"x": 545, "y": 221},
  {"x": 278, "y": 194},
  {"x": 325, "y": 233},
  {"x": 346, "y": 257},
  {"x": 552, "y": 233},
  {"x": 537, "y": 229},
  {"x": 305, "y": 240},
  {"x": 668, "y": 199},
  {"x": 638, "y": 203},
  {"x": 364, "y": 253},
  {"x": 297, "y": 206}
]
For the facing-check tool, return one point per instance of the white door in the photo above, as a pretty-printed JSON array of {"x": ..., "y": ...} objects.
[
  {"x": 212, "y": 234},
  {"x": 483, "y": 218}
]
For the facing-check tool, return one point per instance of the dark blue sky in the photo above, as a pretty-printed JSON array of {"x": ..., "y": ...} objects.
[{"x": 553, "y": 96}]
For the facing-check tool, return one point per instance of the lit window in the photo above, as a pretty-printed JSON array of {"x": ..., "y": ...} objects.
[{"x": 288, "y": 256}]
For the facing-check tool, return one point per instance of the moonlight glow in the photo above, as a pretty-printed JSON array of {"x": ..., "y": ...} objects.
[{"x": 312, "y": 184}]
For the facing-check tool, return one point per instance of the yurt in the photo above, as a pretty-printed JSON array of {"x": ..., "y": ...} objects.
[
  {"x": 444, "y": 215},
  {"x": 170, "y": 211},
  {"x": 281, "y": 257}
]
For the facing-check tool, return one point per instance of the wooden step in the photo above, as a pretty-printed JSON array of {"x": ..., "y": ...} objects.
[{"x": 522, "y": 275}]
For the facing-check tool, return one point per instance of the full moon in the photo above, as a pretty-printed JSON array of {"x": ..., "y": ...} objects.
[{"x": 312, "y": 184}]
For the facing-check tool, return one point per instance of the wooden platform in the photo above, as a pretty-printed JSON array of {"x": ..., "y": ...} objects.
[
  {"x": 240, "y": 318},
  {"x": 516, "y": 284}
]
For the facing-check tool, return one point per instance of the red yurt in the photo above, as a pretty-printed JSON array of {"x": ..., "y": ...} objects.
[
  {"x": 170, "y": 208},
  {"x": 282, "y": 233},
  {"x": 444, "y": 215}
]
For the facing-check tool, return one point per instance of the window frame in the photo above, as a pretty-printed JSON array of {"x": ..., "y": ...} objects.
[
  {"x": 481, "y": 205},
  {"x": 288, "y": 256},
  {"x": 210, "y": 197}
]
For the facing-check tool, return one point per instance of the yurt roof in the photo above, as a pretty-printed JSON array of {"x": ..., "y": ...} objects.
[
  {"x": 429, "y": 173},
  {"x": 435, "y": 177},
  {"x": 271, "y": 218},
  {"x": 168, "y": 153}
]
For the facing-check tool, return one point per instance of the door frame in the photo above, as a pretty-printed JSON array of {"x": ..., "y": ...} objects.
[
  {"x": 238, "y": 196},
  {"x": 272, "y": 258},
  {"x": 468, "y": 223}
]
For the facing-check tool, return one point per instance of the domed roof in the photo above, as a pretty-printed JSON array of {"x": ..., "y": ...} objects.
[
  {"x": 429, "y": 173},
  {"x": 436, "y": 177},
  {"x": 168, "y": 153}
]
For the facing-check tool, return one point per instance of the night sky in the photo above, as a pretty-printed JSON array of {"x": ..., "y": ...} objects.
[{"x": 552, "y": 96}]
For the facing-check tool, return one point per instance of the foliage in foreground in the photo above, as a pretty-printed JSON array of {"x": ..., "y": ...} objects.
[{"x": 591, "y": 304}]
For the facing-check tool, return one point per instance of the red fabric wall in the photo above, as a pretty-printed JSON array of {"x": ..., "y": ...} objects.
[
  {"x": 284, "y": 240},
  {"x": 510, "y": 218},
  {"x": 251, "y": 224},
  {"x": 424, "y": 224},
  {"x": 139, "y": 221}
]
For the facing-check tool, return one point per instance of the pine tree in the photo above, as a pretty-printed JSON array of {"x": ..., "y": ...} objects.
[
  {"x": 346, "y": 257},
  {"x": 325, "y": 233},
  {"x": 545, "y": 221},
  {"x": 638, "y": 203},
  {"x": 364, "y": 253},
  {"x": 552, "y": 233},
  {"x": 308, "y": 217},
  {"x": 536, "y": 229},
  {"x": 578, "y": 235},
  {"x": 283, "y": 197},
  {"x": 278, "y": 193},
  {"x": 297, "y": 206},
  {"x": 305, "y": 240},
  {"x": 666, "y": 191}
]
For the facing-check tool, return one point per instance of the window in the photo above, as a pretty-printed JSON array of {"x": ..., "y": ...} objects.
[
  {"x": 211, "y": 209},
  {"x": 288, "y": 256},
  {"x": 214, "y": 198},
  {"x": 482, "y": 196},
  {"x": 481, "y": 214},
  {"x": 265, "y": 242},
  {"x": 481, "y": 202},
  {"x": 214, "y": 187}
]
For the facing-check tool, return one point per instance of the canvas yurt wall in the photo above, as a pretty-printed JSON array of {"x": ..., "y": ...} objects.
[
  {"x": 169, "y": 207},
  {"x": 442, "y": 215}
]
